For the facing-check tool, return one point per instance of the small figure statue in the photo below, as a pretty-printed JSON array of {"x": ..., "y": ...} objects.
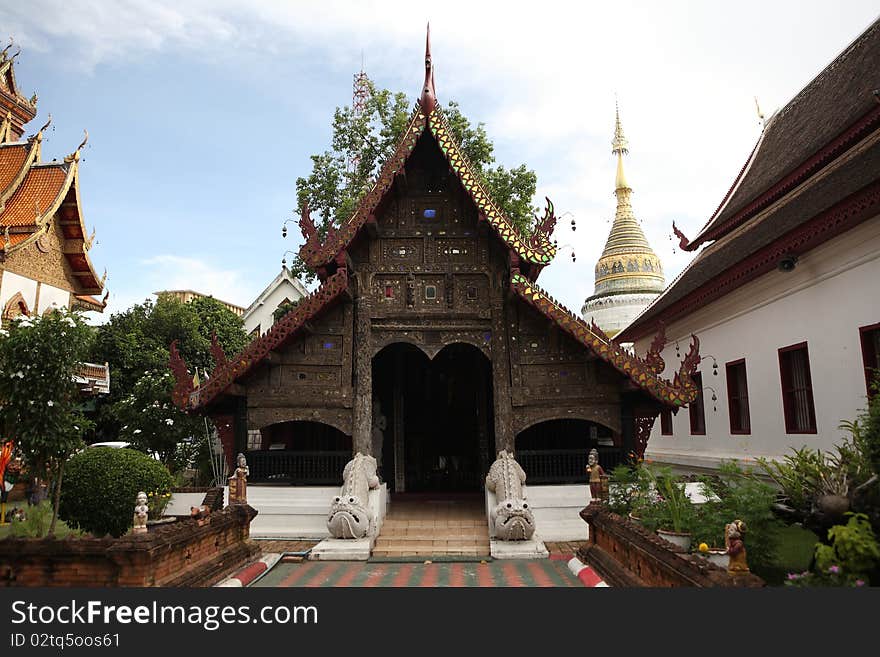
[
  {"x": 141, "y": 511},
  {"x": 596, "y": 474},
  {"x": 200, "y": 513},
  {"x": 736, "y": 548},
  {"x": 238, "y": 482}
]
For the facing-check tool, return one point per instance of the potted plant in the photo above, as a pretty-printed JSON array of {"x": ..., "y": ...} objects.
[
  {"x": 672, "y": 514},
  {"x": 707, "y": 532}
]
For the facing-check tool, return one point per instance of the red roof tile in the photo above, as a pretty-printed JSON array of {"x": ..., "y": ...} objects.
[{"x": 35, "y": 196}]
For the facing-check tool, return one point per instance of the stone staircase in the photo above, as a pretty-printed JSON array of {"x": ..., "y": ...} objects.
[{"x": 434, "y": 526}]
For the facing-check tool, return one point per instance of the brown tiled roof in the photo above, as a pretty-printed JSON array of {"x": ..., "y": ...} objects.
[
  {"x": 852, "y": 180},
  {"x": 35, "y": 196},
  {"x": 12, "y": 159},
  {"x": 832, "y": 103}
]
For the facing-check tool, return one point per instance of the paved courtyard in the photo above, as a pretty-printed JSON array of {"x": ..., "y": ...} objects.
[{"x": 541, "y": 572}]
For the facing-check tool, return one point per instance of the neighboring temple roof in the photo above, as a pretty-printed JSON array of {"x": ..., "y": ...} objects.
[
  {"x": 812, "y": 176},
  {"x": 33, "y": 194},
  {"x": 835, "y": 110},
  {"x": 283, "y": 275},
  {"x": 285, "y": 329},
  {"x": 537, "y": 250}
]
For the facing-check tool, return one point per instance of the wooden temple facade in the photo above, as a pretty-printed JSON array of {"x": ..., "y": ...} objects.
[{"x": 430, "y": 345}]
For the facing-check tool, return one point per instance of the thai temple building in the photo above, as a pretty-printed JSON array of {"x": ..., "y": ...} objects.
[
  {"x": 629, "y": 275},
  {"x": 44, "y": 246},
  {"x": 430, "y": 358},
  {"x": 782, "y": 289}
]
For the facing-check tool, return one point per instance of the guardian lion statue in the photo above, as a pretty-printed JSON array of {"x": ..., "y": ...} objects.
[
  {"x": 350, "y": 515},
  {"x": 512, "y": 516}
]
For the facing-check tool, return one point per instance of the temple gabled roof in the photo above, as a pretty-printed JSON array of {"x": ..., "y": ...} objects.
[
  {"x": 644, "y": 373},
  {"x": 812, "y": 176},
  {"x": 34, "y": 195},
  {"x": 535, "y": 251},
  {"x": 227, "y": 372},
  {"x": 824, "y": 120}
]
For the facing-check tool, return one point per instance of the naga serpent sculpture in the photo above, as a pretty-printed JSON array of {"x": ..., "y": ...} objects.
[
  {"x": 512, "y": 517},
  {"x": 350, "y": 516}
]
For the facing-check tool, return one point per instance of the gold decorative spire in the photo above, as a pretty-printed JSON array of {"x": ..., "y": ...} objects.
[{"x": 628, "y": 264}]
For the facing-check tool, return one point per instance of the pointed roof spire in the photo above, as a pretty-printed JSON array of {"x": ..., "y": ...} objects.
[
  {"x": 429, "y": 96},
  {"x": 620, "y": 147}
]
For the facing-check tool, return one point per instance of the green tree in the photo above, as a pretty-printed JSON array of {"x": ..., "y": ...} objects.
[
  {"x": 333, "y": 191},
  {"x": 136, "y": 343},
  {"x": 40, "y": 406}
]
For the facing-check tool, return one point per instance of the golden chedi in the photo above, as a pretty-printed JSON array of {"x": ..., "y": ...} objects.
[{"x": 629, "y": 275}]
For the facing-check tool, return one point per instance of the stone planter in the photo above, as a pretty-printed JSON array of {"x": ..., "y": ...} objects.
[
  {"x": 681, "y": 540},
  {"x": 718, "y": 556}
]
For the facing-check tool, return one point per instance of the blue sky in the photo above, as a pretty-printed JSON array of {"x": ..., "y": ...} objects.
[{"x": 202, "y": 114}]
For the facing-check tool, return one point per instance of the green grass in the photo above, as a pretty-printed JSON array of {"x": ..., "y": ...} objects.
[
  {"x": 796, "y": 548},
  {"x": 45, "y": 510}
]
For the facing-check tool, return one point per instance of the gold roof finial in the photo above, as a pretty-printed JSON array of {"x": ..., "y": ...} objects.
[
  {"x": 760, "y": 113},
  {"x": 620, "y": 147}
]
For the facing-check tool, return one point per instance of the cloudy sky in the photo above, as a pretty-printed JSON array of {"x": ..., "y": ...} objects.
[{"x": 202, "y": 113}]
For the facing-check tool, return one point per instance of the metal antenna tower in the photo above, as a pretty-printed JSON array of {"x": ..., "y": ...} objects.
[{"x": 359, "y": 96}]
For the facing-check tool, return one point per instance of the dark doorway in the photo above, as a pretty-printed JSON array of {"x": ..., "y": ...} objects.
[
  {"x": 438, "y": 417},
  {"x": 555, "y": 451},
  {"x": 301, "y": 453}
]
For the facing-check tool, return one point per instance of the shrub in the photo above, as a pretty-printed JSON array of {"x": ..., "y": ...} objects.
[
  {"x": 101, "y": 484},
  {"x": 853, "y": 550}
]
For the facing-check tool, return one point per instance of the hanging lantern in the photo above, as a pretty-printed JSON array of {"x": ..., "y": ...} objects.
[{"x": 284, "y": 231}]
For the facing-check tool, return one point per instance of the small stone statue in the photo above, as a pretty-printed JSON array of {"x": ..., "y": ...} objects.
[
  {"x": 596, "y": 474},
  {"x": 141, "y": 511},
  {"x": 736, "y": 548},
  {"x": 238, "y": 482}
]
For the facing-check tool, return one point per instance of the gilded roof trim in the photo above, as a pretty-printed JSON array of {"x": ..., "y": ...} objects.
[
  {"x": 644, "y": 373},
  {"x": 537, "y": 249}
]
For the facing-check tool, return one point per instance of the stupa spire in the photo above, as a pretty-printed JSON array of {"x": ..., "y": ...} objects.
[{"x": 628, "y": 273}]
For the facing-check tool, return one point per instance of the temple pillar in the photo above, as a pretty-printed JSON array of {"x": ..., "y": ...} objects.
[
  {"x": 501, "y": 380},
  {"x": 362, "y": 431}
]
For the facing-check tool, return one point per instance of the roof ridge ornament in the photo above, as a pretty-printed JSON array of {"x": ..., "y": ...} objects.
[
  {"x": 429, "y": 94},
  {"x": 74, "y": 157}
]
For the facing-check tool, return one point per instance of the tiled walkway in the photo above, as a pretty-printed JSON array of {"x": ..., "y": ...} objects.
[
  {"x": 540, "y": 572},
  {"x": 425, "y": 526}
]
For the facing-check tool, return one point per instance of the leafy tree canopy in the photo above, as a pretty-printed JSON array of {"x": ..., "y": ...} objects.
[
  {"x": 333, "y": 191},
  {"x": 40, "y": 406},
  {"x": 136, "y": 343}
]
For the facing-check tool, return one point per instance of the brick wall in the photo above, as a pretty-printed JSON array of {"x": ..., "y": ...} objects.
[
  {"x": 627, "y": 554},
  {"x": 182, "y": 553}
]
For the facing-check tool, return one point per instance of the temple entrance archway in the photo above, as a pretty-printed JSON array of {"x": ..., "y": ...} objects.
[
  {"x": 555, "y": 451},
  {"x": 437, "y": 416}
]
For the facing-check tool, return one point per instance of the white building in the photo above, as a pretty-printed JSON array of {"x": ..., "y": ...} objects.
[
  {"x": 783, "y": 293},
  {"x": 284, "y": 288}
]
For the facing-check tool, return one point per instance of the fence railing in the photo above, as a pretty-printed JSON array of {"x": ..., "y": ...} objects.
[
  {"x": 564, "y": 466},
  {"x": 299, "y": 468}
]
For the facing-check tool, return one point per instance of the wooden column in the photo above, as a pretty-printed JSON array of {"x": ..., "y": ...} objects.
[
  {"x": 362, "y": 439},
  {"x": 501, "y": 380}
]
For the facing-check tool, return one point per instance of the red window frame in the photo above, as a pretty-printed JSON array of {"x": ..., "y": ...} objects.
[
  {"x": 870, "y": 354},
  {"x": 666, "y": 422},
  {"x": 789, "y": 390},
  {"x": 737, "y": 396},
  {"x": 697, "y": 409}
]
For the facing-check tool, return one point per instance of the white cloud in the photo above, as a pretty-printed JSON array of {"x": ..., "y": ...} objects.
[{"x": 173, "y": 272}]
